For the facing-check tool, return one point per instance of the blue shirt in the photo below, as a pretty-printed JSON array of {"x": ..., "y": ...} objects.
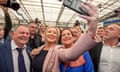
[{"x": 87, "y": 67}]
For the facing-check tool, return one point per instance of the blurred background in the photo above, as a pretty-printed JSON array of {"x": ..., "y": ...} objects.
[{"x": 52, "y": 12}]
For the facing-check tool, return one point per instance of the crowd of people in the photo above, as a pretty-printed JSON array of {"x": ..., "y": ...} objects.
[{"x": 42, "y": 48}]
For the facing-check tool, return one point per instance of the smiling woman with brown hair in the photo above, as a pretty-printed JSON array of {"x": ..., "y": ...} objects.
[{"x": 82, "y": 64}]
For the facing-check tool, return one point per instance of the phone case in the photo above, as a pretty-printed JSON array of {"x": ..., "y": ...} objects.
[{"x": 75, "y": 6}]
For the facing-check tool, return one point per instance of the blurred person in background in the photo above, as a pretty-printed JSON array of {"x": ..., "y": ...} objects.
[
  {"x": 7, "y": 19},
  {"x": 117, "y": 12},
  {"x": 35, "y": 39},
  {"x": 100, "y": 32},
  {"x": 42, "y": 29},
  {"x": 77, "y": 32}
]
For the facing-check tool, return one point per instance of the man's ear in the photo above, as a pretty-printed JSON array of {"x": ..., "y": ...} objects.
[
  {"x": 12, "y": 34},
  {"x": 119, "y": 34}
]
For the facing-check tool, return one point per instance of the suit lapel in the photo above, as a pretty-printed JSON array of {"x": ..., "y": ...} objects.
[
  {"x": 28, "y": 50},
  {"x": 99, "y": 49},
  {"x": 8, "y": 57}
]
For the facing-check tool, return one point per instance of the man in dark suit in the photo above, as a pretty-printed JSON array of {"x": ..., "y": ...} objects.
[
  {"x": 95, "y": 55},
  {"x": 35, "y": 40},
  {"x": 10, "y": 57}
]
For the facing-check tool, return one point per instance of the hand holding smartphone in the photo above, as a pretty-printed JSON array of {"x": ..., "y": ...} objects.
[
  {"x": 88, "y": 11},
  {"x": 76, "y": 6}
]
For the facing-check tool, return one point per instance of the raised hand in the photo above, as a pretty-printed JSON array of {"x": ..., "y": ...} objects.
[{"x": 92, "y": 18}]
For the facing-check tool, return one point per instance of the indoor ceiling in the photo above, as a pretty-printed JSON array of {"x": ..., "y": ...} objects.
[{"x": 52, "y": 12}]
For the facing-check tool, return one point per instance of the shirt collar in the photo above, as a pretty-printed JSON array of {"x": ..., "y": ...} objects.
[
  {"x": 14, "y": 46},
  {"x": 118, "y": 45},
  {"x": 1, "y": 40}
]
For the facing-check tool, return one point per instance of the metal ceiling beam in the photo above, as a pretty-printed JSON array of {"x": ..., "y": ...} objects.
[
  {"x": 25, "y": 11},
  {"x": 60, "y": 14},
  {"x": 40, "y": 5},
  {"x": 71, "y": 18},
  {"x": 14, "y": 15},
  {"x": 30, "y": 1},
  {"x": 108, "y": 5},
  {"x": 43, "y": 13},
  {"x": 44, "y": 2},
  {"x": 107, "y": 15}
]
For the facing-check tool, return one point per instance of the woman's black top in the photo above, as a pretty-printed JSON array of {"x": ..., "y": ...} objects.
[{"x": 38, "y": 61}]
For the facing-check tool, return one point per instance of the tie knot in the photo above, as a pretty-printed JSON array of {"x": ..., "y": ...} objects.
[{"x": 19, "y": 50}]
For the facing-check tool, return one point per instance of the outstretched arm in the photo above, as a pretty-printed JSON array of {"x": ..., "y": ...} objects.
[{"x": 86, "y": 41}]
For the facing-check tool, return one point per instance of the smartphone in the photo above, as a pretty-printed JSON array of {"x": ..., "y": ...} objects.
[{"x": 75, "y": 5}]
